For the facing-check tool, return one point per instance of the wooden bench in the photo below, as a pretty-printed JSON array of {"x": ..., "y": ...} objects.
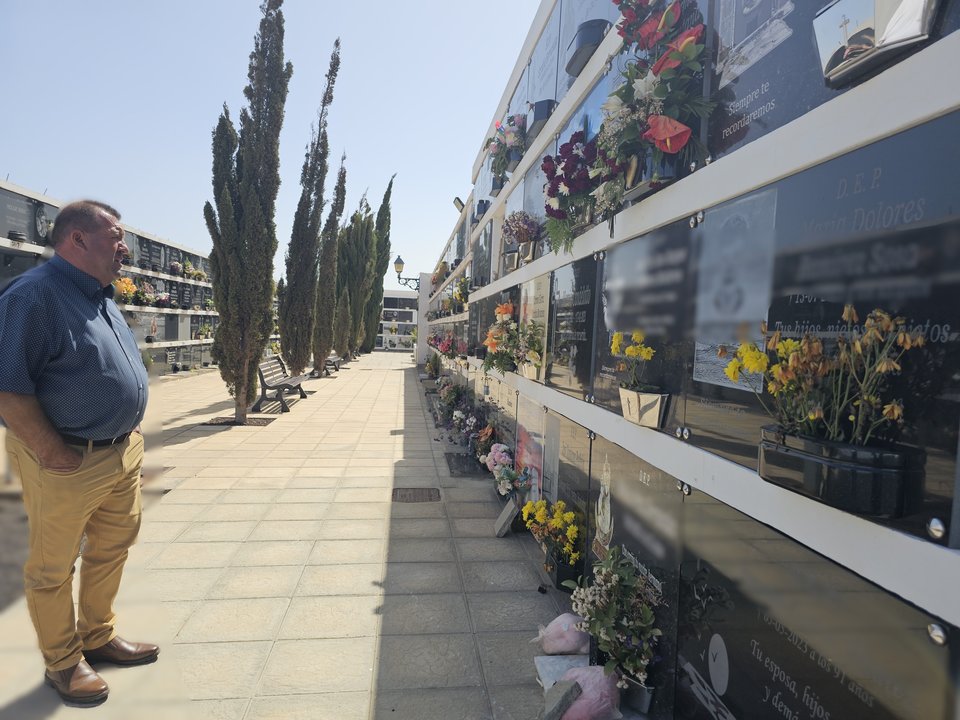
[
  {"x": 332, "y": 361},
  {"x": 274, "y": 376}
]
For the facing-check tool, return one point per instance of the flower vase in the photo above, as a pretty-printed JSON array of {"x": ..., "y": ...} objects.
[
  {"x": 883, "y": 482},
  {"x": 513, "y": 160},
  {"x": 530, "y": 371},
  {"x": 644, "y": 409},
  {"x": 637, "y": 696},
  {"x": 648, "y": 177},
  {"x": 560, "y": 572}
]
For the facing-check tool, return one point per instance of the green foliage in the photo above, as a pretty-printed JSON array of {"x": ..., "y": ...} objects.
[
  {"x": 342, "y": 336},
  {"x": 355, "y": 266},
  {"x": 327, "y": 275},
  {"x": 246, "y": 179},
  {"x": 298, "y": 307},
  {"x": 375, "y": 303}
]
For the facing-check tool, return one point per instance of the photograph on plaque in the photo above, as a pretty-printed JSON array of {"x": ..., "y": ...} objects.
[
  {"x": 530, "y": 444},
  {"x": 573, "y": 318},
  {"x": 768, "y": 628},
  {"x": 733, "y": 284}
]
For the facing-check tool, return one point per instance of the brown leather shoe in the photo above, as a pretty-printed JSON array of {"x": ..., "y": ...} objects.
[
  {"x": 120, "y": 652},
  {"x": 79, "y": 684}
]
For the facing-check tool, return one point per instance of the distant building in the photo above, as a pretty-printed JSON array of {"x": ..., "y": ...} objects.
[{"x": 398, "y": 320}]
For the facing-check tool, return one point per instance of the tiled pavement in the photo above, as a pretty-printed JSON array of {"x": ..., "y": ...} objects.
[{"x": 284, "y": 583}]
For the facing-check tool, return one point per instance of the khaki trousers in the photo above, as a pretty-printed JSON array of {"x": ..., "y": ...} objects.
[{"x": 100, "y": 498}]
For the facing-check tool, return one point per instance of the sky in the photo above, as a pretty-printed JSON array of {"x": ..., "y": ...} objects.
[{"x": 116, "y": 100}]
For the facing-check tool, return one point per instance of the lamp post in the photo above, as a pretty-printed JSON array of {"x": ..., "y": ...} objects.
[{"x": 411, "y": 282}]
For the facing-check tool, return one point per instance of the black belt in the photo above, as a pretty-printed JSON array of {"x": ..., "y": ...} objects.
[{"x": 72, "y": 440}]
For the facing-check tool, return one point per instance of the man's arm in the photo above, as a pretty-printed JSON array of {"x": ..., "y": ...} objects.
[{"x": 26, "y": 419}]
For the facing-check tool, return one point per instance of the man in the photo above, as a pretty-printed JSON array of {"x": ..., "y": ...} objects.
[{"x": 73, "y": 390}]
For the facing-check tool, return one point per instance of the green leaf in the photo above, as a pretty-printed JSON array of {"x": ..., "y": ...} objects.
[{"x": 609, "y": 667}]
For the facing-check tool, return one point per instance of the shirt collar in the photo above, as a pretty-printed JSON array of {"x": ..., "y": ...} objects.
[{"x": 87, "y": 284}]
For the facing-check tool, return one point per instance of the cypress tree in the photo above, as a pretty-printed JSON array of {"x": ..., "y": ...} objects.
[
  {"x": 354, "y": 267},
  {"x": 246, "y": 179},
  {"x": 297, "y": 315},
  {"x": 342, "y": 325},
  {"x": 375, "y": 303},
  {"x": 327, "y": 275}
]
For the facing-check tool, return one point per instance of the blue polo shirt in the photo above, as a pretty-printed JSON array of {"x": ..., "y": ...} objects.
[{"x": 63, "y": 340}]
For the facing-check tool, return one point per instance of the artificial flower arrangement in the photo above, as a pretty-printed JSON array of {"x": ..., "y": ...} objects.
[
  {"x": 618, "y": 611},
  {"x": 483, "y": 441},
  {"x": 461, "y": 293},
  {"x": 838, "y": 394},
  {"x": 559, "y": 530},
  {"x": 573, "y": 175},
  {"x": 655, "y": 110},
  {"x": 520, "y": 227},
  {"x": 531, "y": 334},
  {"x": 510, "y": 137},
  {"x": 432, "y": 366},
  {"x": 123, "y": 290},
  {"x": 440, "y": 274},
  {"x": 502, "y": 341},
  {"x": 163, "y": 300},
  {"x": 633, "y": 355}
]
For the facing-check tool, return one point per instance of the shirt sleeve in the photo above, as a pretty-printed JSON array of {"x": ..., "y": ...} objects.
[{"x": 24, "y": 342}]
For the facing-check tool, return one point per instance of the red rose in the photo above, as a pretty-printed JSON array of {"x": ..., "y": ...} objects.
[
  {"x": 667, "y": 134},
  {"x": 687, "y": 37}
]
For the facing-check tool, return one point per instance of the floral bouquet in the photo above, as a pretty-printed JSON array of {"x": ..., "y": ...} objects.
[
  {"x": 573, "y": 175},
  {"x": 520, "y": 227},
  {"x": 499, "y": 455},
  {"x": 509, "y": 136},
  {"x": 162, "y": 300},
  {"x": 531, "y": 342},
  {"x": 176, "y": 268},
  {"x": 508, "y": 480},
  {"x": 448, "y": 346},
  {"x": 652, "y": 111},
  {"x": 635, "y": 355},
  {"x": 617, "y": 610},
  {"x": 502, "y": 341},
  {"x": 484, "y": 441},
  {"x": 558, "y": 529},
  {"x": 123, "y": 290},
  {"x": 839, "y": 394}
]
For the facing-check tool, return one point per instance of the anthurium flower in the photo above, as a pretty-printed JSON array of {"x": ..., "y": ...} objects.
[
  {"x": 667, "y": 134},
  {"x": 686, "y": 38},
  {"x": 657, "y": 26}
]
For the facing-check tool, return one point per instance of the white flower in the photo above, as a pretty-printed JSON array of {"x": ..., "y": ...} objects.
[
  {"x": 578, "y": 149},
  {"x": 563, "y": 189},
  {"x": 645, "y": 86},
  {"x": 553, "y": 202},
  {"x": 594, "y": 171},
  {"x": 613, "y": 105}
]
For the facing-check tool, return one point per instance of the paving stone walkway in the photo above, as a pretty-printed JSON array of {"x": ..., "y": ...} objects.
[{"x": 284, "y": 583}]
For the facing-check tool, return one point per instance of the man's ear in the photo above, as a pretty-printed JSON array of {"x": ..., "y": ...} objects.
[{"x": 76, "y": 237}]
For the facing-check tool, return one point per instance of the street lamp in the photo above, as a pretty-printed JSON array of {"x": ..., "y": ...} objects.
[{"x": 411, "y": 282}]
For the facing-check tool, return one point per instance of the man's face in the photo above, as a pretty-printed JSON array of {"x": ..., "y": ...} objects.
[{"x": 105, "y": 249}]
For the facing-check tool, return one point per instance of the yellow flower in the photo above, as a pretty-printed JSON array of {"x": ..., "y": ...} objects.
[
  {"x": 527, "y": 509},
  {"x": 568, "y": 517},
  {"x": 816, "y": 414},
  {"x": 787, "y": 347},
  {"x": 632, "y": 351},
  {"x": 893, "y": 410},
  {"x": 887, "y": 365},
  {"x": 541, "y": 515},
  {"x": 752, "y": 359},
  {"x": 732, "y": 370},
  {"x": 572, "y": 533},
  {"x": 850, "y": 314},
  {"x": 638, "y": 337},
  {"x": 574, "y": 557},
  {"x": 616, "y": 345},
  {"x": 647, "y": 353}
]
